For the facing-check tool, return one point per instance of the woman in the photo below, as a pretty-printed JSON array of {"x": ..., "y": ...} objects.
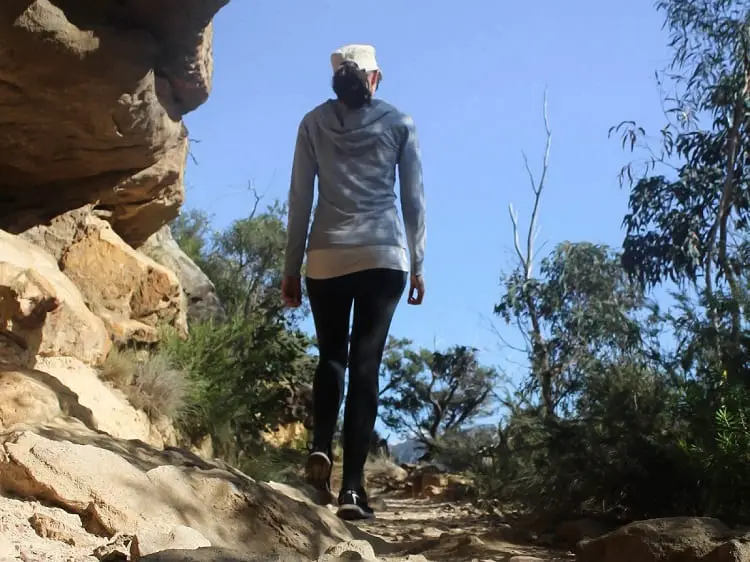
[{"x": 356, "y": 255}]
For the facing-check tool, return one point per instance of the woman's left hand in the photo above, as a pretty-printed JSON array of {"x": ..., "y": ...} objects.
[{"x": 291, "y": 291}]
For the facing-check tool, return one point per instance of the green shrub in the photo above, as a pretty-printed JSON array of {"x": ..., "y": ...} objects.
[
  {"x": 618, "y": 455},
  {"x": 241, "y": 373},
  {"x": 718, "y": 453}
]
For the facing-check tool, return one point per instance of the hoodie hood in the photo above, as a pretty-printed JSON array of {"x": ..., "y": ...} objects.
[{"x": 354, "y": 130}]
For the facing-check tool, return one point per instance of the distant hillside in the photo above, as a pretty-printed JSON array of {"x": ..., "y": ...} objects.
[
  {"x": 411, "y": 450},
  {"x": 407, "y": 451}
]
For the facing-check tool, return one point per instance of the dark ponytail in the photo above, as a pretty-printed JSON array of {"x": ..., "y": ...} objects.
[{"x": 350, "y": 85}]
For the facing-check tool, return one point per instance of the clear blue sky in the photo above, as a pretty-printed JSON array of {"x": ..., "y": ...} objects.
[{"x": 472, "y": 75}]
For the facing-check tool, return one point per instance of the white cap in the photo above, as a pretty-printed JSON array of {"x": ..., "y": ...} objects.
[{"x": 362, "y": 55}]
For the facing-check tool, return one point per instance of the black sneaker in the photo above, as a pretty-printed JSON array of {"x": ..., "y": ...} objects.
[
  {"x": 318, "y": 475},
  {"x": 353, "y": 506}
]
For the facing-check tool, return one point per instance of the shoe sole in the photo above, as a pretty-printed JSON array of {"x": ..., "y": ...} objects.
[
  {"x": 353, "y": 513},
  {"x": 317, "y": 472}
]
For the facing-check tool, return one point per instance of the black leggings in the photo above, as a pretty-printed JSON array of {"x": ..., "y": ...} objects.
[{"x": 374, "y": 294}]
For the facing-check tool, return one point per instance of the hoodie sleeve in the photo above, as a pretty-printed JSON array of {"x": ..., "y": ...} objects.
[
  {"x": 412, "y": 195},
  {"x": 301, "y": 193}
]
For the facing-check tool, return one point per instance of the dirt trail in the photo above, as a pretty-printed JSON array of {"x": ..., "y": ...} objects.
[
  {"x": 447, "y": 531},
  {"x": 437, "y": 529}
]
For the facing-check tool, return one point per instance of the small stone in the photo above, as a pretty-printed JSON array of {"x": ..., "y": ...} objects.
[
  {"x": 350, "y": 550},
  {"x": 179, "y": 538},
  {"x": 120, "y": 549},
  {"x": 432, "y": 532}
]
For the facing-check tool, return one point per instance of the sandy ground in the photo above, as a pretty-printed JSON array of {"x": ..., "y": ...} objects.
[{"x": 444, "y": 531}]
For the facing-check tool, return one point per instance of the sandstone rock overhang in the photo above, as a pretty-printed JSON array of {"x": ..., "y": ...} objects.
[{"x": 92, "y": 96}]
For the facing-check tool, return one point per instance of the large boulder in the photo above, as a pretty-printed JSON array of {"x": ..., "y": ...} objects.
[
  {"x": 678, "y": 539},
  {"x": 133, "y": 294},
  {"x": 43, "y": 311},
  {"x": 200, "y": 292},
  {"x": 92, "y": 96}
]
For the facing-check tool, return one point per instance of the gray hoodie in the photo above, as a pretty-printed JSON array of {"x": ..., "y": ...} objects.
[{"x": 355, "y": 153}]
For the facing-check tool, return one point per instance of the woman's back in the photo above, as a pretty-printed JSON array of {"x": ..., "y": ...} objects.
[{"x": 356, "y": 153}]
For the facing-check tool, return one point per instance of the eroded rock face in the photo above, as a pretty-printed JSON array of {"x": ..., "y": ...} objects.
[
  {"x": 29, "y": 278},
  {"x": 200, "y": 293},
  {"x": 35, "y": 532},
  {"x": 25, "y": 399},
  {"x": 132, "y": 293},
  {"x": 91, "y": 101}
]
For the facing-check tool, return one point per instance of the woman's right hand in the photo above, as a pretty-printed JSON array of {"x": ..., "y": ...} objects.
[
  {"x": 291, "y": 291},
  {"x": 416, "y": 290}
]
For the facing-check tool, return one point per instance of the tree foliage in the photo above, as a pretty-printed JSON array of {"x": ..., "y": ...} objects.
[
  {"x": 630, "y": 408},
  {"x": 580, "y": 312},
  {"x": 431, "y": 395},
  {"x": 597, "y": 437},
  {"x": 689, "y": 210}
]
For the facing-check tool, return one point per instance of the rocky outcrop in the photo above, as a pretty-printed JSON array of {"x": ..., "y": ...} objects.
[
  {"x": 125, "y": 488},
  {"x": 91, "y": 101},
  {"x": 109, "y": 409},
  {"x": 129, "y": 291},
  {"x": 62, "y": 390},
  {"x": 92, "y": 96},
  {"x": 30, "y": 280},
  {"x": 200, "y": 293}
]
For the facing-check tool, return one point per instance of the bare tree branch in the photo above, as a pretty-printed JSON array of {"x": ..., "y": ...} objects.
[
  {"x": 190, "y": 151},
  {"x": 496, "y": 332},
  {"x": 257, "y": 197},
  {"x": 516, "y": 237},
  {"x": 526, "y": 258}
]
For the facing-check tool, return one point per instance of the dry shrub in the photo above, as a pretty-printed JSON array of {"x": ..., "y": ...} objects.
[
  {"x": 119, "y": 368},
  {"x": 151, "y": 384},
  {"x": 158, "y": 388},
  {"x": 383, "y": 473},
  {"x": 381, "y": 463},
  {"x": 274, "y": 464}
]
